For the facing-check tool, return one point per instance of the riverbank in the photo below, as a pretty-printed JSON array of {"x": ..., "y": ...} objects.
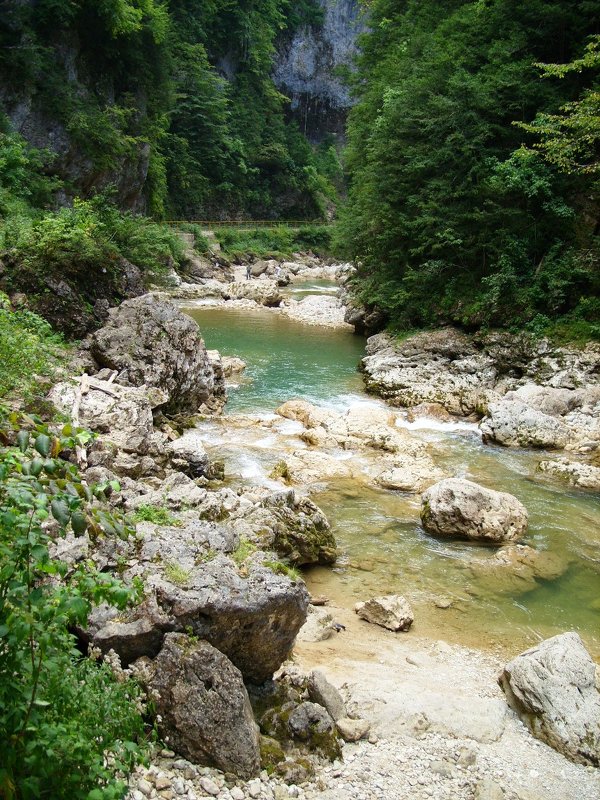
[{"x": 213, "y": 512}]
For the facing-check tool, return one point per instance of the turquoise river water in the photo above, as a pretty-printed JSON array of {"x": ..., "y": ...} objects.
[{"x": 458, "y": 590}]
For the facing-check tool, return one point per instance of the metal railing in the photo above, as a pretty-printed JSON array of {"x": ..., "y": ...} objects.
[{"x": 247, "y": 223}]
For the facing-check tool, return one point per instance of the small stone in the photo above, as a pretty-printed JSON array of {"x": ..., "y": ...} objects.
[
  {"x": 167, "y": 754},
  {"x": 236, "y": 793},
  {"x": 280, "y": 793},
  {"x": 488, "y": 789},
  {"x": 144, "y": 787},
  {"x": 136, "y": 795},
  {"x": 209, "y": 786},
  {"x": 254, "y": 788},
  {"x": 181, "y": 763},
  {"x": 351, "y": 730},
  {"x": 442, "y": 768},
  {"x": 442, "y": 602},
  {"x": 162, "y": 782},
  {"x": 466, "y": 757},
  {"x": 373, "y": 738}
]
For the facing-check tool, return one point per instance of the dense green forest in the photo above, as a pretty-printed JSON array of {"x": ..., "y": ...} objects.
[
  {"x": 473, "y": 168},
  {"x": 133, "y": 93}
]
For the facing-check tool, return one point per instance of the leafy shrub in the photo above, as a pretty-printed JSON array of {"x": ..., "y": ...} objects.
[
  {"x": 28, "y": 348},
  {"x": 313, "y": 237},
  {"x": 68, "y": 730},
  {"x": 92, "y": 234}
]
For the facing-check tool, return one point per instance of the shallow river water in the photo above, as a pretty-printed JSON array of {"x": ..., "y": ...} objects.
[{"x": 457, "y": 592}]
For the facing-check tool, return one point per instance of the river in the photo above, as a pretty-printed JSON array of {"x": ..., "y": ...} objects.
[{"x": 456, "y": 591}]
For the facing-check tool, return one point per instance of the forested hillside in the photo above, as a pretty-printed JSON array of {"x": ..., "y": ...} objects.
[
  {"x": 171, "y": 104},
  {"x": 474, "y": 169}
]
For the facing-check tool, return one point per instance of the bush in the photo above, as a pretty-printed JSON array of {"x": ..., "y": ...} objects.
[
  {"x": 68, "y": 730},
  {"x": 91, "y": 235},
  {"x": 28, "y": 348}
]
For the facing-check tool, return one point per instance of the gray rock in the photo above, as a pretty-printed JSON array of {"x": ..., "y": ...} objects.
[
  {"x": 252, "y": 619},
  {"x": 325, "y": 694},
  {"x": 311, "y": 723},
  {"x": 552, "y": 688},
  {"x": 295, "y": 528},
  {"x": 455, "y": 507},
  {"x": 575, "y": 473},
  {"x": 122, "y": 414},
  {"x": 515, "y": 424},
  {"x": 488, "y": 789},
  {"x": 150, "y": 342},
  {"x": 188, "y": 455},
  {"x": 390, "y": 611},
  {"x": 204, "y": 707},
  {"x": 263, "y": 292}
]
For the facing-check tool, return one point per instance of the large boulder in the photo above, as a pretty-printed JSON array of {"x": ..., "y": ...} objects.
[
  {"x": 294, "y": 527},
  {"x": 150, "y": 342},
  {"x": 187, "y": 454},
  {"x": 463, "y": 509},
  {"x": 203, "y": 705},
  {"x": 252, "y": 618},
  {"x": 552, "y": 688},
  {"x": 122, "y": 414},
  {"x": 263, "y": 292}
]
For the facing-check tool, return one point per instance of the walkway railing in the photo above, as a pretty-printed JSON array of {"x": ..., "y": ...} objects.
[{"x": 248, "y": 223}]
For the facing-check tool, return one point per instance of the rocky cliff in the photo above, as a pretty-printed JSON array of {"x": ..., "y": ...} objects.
[{"x": 308, "y": 67}]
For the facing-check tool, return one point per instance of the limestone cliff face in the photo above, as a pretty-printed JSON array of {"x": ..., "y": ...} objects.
[{"x": 306, "y": 68}]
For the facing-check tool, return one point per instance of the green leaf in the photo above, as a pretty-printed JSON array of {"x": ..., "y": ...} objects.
[
  {"x": 43, "y": 444},
  {"x": 78, "y": 523},
  {"x": 60, "y": 511},
  {"x": 23, "y": 440},
  {"x": 36, "y": 466}
]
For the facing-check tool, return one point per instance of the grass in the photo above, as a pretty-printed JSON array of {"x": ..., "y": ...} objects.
[
  {"x": 243, "y": 551},
  {"x": 176, "y": 574},
  {"x": 156, "y": 514},
  {"x": 281, "y": 568}
]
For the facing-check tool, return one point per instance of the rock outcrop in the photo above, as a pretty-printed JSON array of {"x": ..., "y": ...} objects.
[
  {"x": 553, "y": 689},
  {"x": 545, "y": 417},
  {"x": 463, "y": 509},
  {"x": 386, "y": 455},
  {"x": 150, "y": 342},
  {"x": 294, "y": 527},
  {"x": 253, "y": 619},
  {"x": 306, "y": 67},
  {"x": 534, "y": 394},
  {"x": 203, "y": 705},
  {"x": 122, "y": 414},
  {"x": 575, "y": 473}
]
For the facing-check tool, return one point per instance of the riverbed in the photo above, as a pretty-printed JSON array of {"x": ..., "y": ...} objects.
[{"x": 456, "y": 590}]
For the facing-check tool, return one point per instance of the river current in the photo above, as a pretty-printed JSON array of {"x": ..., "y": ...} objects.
[{"x": 456, "y": 590}]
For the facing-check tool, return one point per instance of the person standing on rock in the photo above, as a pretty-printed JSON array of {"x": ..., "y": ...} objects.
[{"x": 248, "y": 272}]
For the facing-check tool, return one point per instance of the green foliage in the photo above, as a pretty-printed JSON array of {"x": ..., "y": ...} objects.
[
  {"x": 449, "y": 218},
  {"x": 156, "y": 514},
  {"x": 28, "y": 349},
  {"x": 571, "y": 140},
  {"x": 90, "y": 235},
  {"x": 243, "y": 551},
  {"x": 67, "y": 728},
  {"x": 278, "y": 241},
  {"x": 177, "y": 574},
  {"x": 281, "y": 568}
]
